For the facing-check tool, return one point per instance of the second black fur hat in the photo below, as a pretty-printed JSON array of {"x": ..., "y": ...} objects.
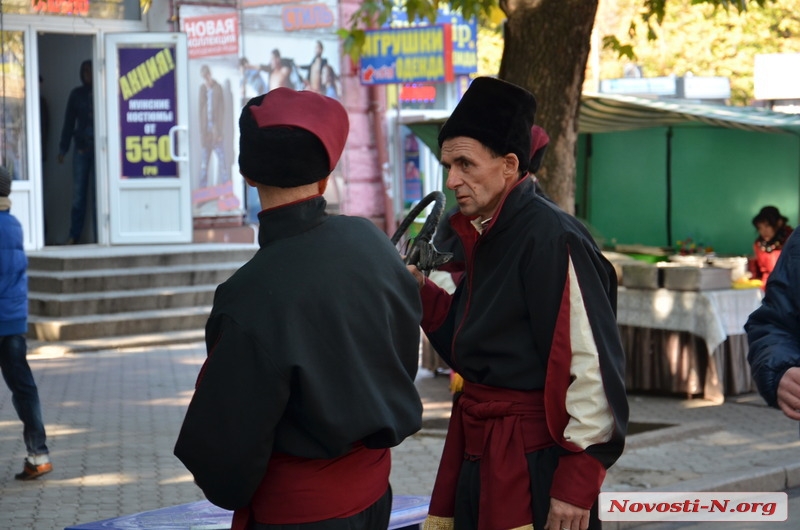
[{"x": 497, "y": 114}]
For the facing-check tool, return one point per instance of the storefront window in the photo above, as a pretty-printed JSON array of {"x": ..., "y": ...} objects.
[
  {"x": 13, "y": 152},
  {"x": 106, "y": 9}
]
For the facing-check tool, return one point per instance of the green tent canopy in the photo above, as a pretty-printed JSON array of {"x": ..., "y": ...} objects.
[{"x": 609, "y": 113}]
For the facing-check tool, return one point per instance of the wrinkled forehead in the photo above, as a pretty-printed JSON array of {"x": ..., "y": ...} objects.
[{"x": 464, "y": 147}]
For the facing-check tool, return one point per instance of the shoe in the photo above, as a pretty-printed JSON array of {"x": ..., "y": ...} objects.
[
  {"x": 71, "y": 241},
  {"x": 30, "y": 471}
]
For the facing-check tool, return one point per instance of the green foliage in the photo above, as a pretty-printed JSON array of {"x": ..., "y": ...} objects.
[
  {"x": 490, "y": 49},
  {"x": 702, "y": 39},
  {"x": 375, "y": 13},
  {"x": 657, "y": 9},
  {"x": 610, "y": 42},
  {"x": 665, "y": 37}
]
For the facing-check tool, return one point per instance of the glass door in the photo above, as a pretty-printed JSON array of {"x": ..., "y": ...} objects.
[{"x": 149, "y": 184}]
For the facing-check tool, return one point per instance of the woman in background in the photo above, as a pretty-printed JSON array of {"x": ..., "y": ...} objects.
[{"x": 773, "y": 230}]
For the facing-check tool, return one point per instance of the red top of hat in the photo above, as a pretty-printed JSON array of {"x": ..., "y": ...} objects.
[
  {"x": 320, "y": 115},
  {"x": 539, "y": 139}
]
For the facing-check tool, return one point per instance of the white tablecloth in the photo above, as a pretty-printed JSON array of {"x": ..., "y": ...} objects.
[{"x": 712, "y": 315}]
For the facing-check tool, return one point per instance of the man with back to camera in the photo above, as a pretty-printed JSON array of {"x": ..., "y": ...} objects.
[
  {"x": 532, "y": 330},
  {"x": 312, "y": 345}
]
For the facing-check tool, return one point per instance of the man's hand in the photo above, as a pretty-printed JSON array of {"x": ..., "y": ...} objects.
[
  {"x": 565, "y": 516},
  {"x": 60, "y": 159},
  {"x": 417, "y": 275},
  {"x": 789, "y": 393}
]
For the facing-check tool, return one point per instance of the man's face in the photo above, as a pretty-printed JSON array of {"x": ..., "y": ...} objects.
[
  {"x": 478, "y": 178},
  {"x": 86, "y": 74}
]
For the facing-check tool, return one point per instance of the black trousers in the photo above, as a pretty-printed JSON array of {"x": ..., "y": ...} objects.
[
  {"x": 541, "y": 467},
  {"x": 376, "y": 517}
]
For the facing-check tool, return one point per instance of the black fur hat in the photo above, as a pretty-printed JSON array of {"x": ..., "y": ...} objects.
[
  {"x": 291, "y": 138},
  {"x": 497, "y": 114}
]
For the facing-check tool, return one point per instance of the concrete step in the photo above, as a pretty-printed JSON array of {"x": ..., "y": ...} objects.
[
  {"x": 93, "y": 257},
  {"x": 43, "y": 349},
  {"x": 117, "y": 324},
  {"x": 128, "y": 278},
  {"x": 60, "y": 305}
]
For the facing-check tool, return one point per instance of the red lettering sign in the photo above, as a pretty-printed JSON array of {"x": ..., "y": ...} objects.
[
  {"x": 60, "y": 7},
  {"x": 212, "y": 35},
  {"x": 298, "y": 17}
]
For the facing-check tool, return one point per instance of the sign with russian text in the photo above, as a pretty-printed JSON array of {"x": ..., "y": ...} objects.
[
  {"x": 105, "y": 9},
  {"x": 212, "y": 35},
  {"x": 306, "y": 16},
  {"x": 465, "y": 36},
  {"x": 60, "y": 7},
  {"x": 147, "y": 107},
  {"x": 407, "y": 55}
]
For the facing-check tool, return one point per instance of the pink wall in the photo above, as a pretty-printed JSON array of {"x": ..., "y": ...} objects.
[{"x": 363, "y": 192}]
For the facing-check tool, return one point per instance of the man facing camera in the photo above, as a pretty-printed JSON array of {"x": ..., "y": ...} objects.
[{"x": 531, "y": 328}]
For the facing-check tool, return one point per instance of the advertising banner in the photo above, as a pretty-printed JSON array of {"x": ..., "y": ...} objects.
[
  {"x": 465, "y": 36},
  {"x": 280, "y": 43},
  {"x": 213, "y": 40},
  {"x": 212, "y": 35},
  {"x": 147, "y": 104},
  {"x": 407, "y": 55},
  {"x": 105, "y": 9}
]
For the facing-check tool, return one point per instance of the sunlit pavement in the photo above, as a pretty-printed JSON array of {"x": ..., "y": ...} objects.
[{"x": 112, "y": 419}]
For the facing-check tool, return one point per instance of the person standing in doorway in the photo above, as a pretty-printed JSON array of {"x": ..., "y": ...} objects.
[
  {"x": 212, "y": 115},
  {"x": 13, "y": 346},
  {"x": 79, "y": 124}
]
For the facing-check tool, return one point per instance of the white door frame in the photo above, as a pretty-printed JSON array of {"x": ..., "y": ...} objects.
[
  {"x": 151, "y": 209},
  {"x": 27, "y": 196}
]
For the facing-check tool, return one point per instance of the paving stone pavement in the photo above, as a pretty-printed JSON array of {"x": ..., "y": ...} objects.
[{"x": 113, "y": 416}]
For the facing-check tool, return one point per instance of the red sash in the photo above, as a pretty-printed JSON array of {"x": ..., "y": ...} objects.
[
  {"x": 302, "y": 490},
  {"x": 497, "y": 426}
]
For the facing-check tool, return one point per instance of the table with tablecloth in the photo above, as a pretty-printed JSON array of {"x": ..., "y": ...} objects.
[{"x": 689, "y": 342}]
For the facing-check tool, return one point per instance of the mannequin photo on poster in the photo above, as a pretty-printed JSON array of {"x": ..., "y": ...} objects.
[{"x": 215, "y": 184}]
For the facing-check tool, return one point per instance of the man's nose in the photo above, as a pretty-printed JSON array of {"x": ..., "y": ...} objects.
[{"x": 453, "y": 180}]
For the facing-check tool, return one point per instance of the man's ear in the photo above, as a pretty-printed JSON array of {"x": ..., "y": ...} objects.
[
  {"x": 322, "y": 185},
  {"x": 248, "y": 180},
  {"x": 510, "y": 165}
]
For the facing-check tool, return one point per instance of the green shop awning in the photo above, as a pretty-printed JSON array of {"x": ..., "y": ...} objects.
[{"x": 609, "y": 113}]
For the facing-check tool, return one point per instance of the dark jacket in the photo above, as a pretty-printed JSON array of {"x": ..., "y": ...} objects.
[
  {"x": 773, "y": 330},
  {"x": 13, "y": 277},
  {"x": 533, "y": 280},
  {"x": 78, "y": 119},
  {"x": 313, "y": 346}
]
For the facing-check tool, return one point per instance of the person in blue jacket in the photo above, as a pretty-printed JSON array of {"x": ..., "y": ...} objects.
[
  {"x": 13, "y": 346},
  {"x": 773, "y": 332}
]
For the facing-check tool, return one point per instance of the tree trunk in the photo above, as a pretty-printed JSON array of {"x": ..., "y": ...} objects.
[{"x": 546, "y": 48}]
